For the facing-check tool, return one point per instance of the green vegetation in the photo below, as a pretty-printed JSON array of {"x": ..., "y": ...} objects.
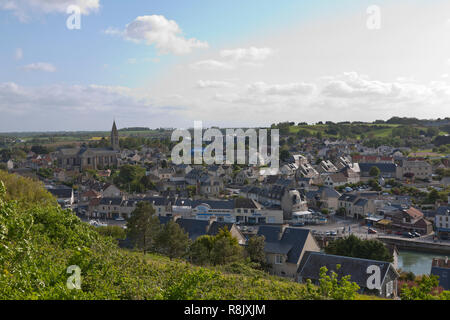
[
  {"x": 352, "y": 246},
  {"x": 331, "y": 287},
  {"x": 143, "y": 227},
  {"x": 424, "y": 288},
  {"x": 255, "y": 250},
  {"x": 374, "y": 172},
  {"x": 133, "y": 179},
  {"x": 172, "y": 241},
  {"x": 39, "y": 241},
  {"x": 114, "y": 232}
]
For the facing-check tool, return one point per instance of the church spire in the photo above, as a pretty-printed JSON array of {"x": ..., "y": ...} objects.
[{"x": 114, "y": 137}]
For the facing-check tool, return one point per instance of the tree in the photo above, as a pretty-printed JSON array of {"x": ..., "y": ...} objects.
[
  {"x": 331, "y": 287},
  {"x": 255, "y": 250},
  {"x": 374, "y": 172},
  {"x": 143, "y": 226},
  {"x": 129, "y": 173},
  {"x": 39, "y": 149},
  {"x": 284, "y": 154},
  {"x": 200, "y": 250},
  {"x": 374, "y": 185},
  {"x": 432, "y": 132},
  {"x": 225, "y": 248},
  {"x": 353, "y": 246},
  {"x": 172, "y": 241},
  {"x": 425, "y": 288},
  {"x": 433, "y": 196},
  {"x": 220, "y": 249}
]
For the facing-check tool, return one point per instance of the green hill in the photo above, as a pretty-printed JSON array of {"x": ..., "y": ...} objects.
[{"x": 39, "y": 241}]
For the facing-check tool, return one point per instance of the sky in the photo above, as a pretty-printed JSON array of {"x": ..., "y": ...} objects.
[{"x": 167, "y": 63}]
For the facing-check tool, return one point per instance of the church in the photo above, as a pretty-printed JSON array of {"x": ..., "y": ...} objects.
[{"x": 90, "y": 158}]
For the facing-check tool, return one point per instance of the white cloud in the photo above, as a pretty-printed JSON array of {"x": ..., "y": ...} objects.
[
  {"x": 214, "y": 84},
  {"x": 23, "y": 9},
  {"x": 281, "y": 89},
  {"x": 55, "y": 106},
  {"x": 156, "y": 30},
  {"x": 212, "y": 65},
  {"x": 251, "y": 54},
  {"x": 353, "y": 85},
  {"x": 40, "y": 66},
  {"x": 18, "y": 55}
]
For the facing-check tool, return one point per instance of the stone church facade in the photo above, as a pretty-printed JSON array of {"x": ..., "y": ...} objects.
[{"x": 91, "y": 158}]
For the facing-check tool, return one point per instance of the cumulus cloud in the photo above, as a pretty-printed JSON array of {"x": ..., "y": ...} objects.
[
  {"x": 234, "y": 58},
  {"x": 23, "y": 9},
  {"x": 40, "y": 66},
  {"x": 353, "y": 85},
  {"x": 156, "y": 30}
]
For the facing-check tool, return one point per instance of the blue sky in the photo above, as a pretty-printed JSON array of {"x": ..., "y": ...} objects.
[{"x": 300, "y": 57}]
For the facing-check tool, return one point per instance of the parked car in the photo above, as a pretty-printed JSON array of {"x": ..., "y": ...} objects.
[
  {"x": 119, "y": 218},
  {"x": 416, "y": 234},
  {"x": 298, "y": 224},
  {"x": 372, "y": 231},
  {"x": 408, "y": 235}
]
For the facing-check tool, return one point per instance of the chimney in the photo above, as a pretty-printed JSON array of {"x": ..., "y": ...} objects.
[
  {"x": 282, "y": 230},
  {"x": 212, "y": 219}
]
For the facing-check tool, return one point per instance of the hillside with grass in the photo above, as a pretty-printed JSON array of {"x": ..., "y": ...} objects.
[{"x": 39, "y": 241}]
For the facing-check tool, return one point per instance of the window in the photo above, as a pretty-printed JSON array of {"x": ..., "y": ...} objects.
[
  {"x": 389, "y": 288},
  {"x": 278, "y": 259}
]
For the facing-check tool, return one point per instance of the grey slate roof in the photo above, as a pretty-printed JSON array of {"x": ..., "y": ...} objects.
[
  {"x": 116, "y": 201},
  {"x": 215, "y": 204},
  {"x": 61, "y": 193},
  {"x": 384, "y": 167},
  {"x": 444, "y": 276},
  {"x": 330, "y": 192},
  {"x": 291, "y": 243},
  {"x": 348, "y": 197},
  {"x": 195, "y": 228},
  {"x": 216, "y": 226},
  {"x": 157, "y": 201},
  {"x": 355, "y": 267},
  {"x": 442, "y": 210},
  {"x": 361, "y": 202}
]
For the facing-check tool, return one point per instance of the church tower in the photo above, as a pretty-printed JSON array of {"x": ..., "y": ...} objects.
[{"x": 114, "y": 137}]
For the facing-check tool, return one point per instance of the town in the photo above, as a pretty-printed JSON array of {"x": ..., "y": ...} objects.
[{"x": 335, "y": 181}]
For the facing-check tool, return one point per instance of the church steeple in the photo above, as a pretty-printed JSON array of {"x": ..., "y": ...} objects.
[{"x": 114, "y": 137}]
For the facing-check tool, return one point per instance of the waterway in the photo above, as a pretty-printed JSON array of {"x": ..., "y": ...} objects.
[{"x": 416, "y": 262}]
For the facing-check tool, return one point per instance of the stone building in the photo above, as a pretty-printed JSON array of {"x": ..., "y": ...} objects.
[{"x": 83, "y": 158}]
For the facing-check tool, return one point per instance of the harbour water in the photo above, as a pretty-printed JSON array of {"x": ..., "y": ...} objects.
[{"x": 416, "y": 262}]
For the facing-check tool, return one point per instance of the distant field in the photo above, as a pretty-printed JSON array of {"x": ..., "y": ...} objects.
[{"x": 377, "y": 132}]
